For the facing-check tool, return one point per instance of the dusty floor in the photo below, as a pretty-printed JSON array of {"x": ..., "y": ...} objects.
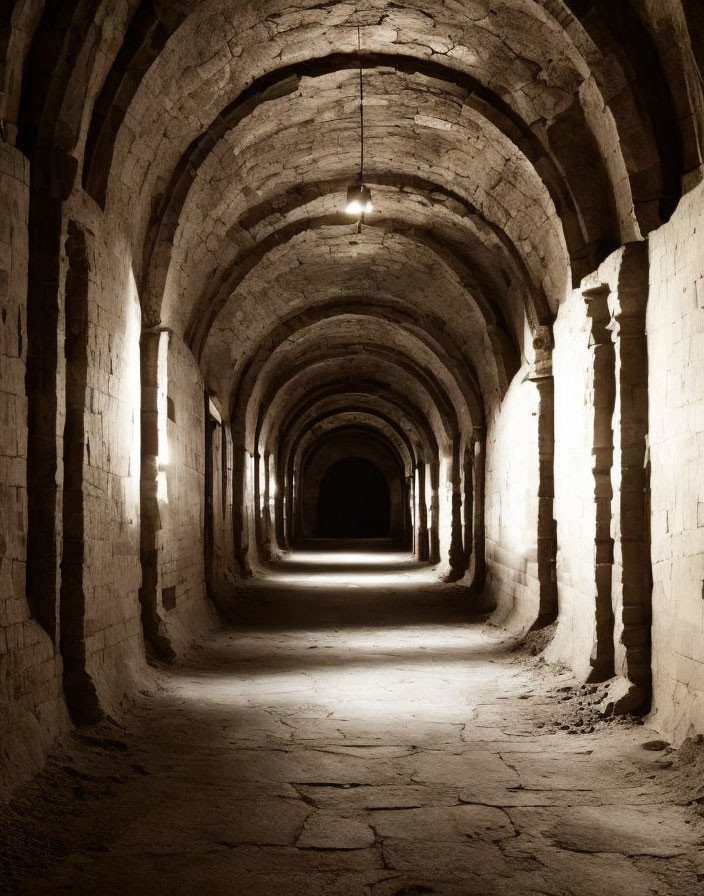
[{"x": 355, "y": 734}]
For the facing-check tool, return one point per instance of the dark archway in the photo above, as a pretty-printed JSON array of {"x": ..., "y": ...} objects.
[{"x": 353, "y": 501}]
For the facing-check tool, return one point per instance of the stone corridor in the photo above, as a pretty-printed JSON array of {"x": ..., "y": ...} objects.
[
  {"x": 355, "y": 731},
  {"x": 424, "y": 275}
]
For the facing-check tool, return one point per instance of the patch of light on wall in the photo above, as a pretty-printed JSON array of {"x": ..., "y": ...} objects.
[
  {"x": 162, "y": 379},
  {"x": 518, "y": 509},
  {"x": 133, "y": 415},
  {"x": 262, "y": 476},
  {"x": 273, "y": 485},
  {"x": 444, "y": 494}
]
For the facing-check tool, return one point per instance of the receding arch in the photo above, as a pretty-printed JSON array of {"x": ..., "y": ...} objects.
[
  {"x": 386, "y": 363},
  {"x": 312, "y": 424},
  {"x": 203, "y": 317},
  {"x": 302, "y": 323},
  {"x": 381, "y": 471},
  {"x": 591, "y": 231}
]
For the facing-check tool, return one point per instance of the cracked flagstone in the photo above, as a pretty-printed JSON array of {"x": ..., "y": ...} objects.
[{"x": 308, "y": 750}]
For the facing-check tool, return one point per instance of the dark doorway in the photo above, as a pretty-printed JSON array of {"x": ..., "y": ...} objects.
[{"x": 354, "y": 501}]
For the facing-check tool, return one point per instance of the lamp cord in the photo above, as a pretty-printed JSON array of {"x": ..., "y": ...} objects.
[{"x": 361, "y": 108}]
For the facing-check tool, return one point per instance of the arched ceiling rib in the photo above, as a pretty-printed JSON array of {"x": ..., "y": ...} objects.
[
  {"x": 369, "y": 336},
  {"x": 341, "y": 429},
  {"x": 210, "y": 265},
  {"x": 519, "y": 54},
  {"x": 323, "y": 406},
  {"x": 373, "y": 376},
  {"x": 361, "y": 320},
  {"x": 281, "y": 251},
  {"x": 338, "y": 395},
  {"x": 638, "y": 48},
  {"x": 317, "y": 426},
  {"x": 377, "y": 267},
  {"x": 417, "y": 113},
  {"x": 363, "y": 360}
]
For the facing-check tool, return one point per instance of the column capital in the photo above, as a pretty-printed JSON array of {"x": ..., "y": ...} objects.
[{"x": 543, "y": 345}]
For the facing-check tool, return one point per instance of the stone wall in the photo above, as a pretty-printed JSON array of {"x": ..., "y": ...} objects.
[
  {"x": 181, "y": 559},
  {"x": 675, "y": 323},
  {"x": 107, "y": 403},
  {"x": 574, "y": 484},
  {"x": 512, "y": 506},
  {"x": 32, "y": 710},
  {"x": 601, "y": 410}
]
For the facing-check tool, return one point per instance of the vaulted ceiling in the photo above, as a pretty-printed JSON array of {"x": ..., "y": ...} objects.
[{"x": 510, "y": 145}]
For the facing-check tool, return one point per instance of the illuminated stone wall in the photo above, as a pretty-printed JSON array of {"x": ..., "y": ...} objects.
[
  {"x": 676, "y": 354},
  {"x": 101, "y": 573},
  {"x": 181, "y": 496},
  {"x": 512, "y": 506},
  {"x": 574, "y": 484}
]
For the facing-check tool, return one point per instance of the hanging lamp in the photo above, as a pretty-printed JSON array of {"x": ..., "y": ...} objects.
[{"x": 359, "y": 197}]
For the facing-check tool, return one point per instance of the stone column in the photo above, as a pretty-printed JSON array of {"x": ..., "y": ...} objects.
[
  {"x": 296, "y": 506},
  {"x": 604, "y": 393},
  {"x": 541, "y": 375},
  {"x": 290, "y": 532},
  {"x": 211, "y": 428},
  {"x": 468, "y": 506},
  {"x": 266, "y": 508},
  {"x": 423, "y": 539},
  {"x": 632, "y": 581},
  {"x": 412, "y": 508},
  {"x": 435, "y": 512},
  {"x": 79, "y": 687},
  {"x": 257, "y": 510},
  {"x": 478, "y": 562},
  {"x": 408, "y": 513},
  {"x": 52, "y": 177},
  {"x": 457, "y": 565},
  {"x": 280, "y": 519},
  {"x": 239, "y": 510},
  {"x": 153, "y": 343}
]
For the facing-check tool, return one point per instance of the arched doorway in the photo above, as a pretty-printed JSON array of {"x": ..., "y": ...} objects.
[{"x": 353, "y": 501}]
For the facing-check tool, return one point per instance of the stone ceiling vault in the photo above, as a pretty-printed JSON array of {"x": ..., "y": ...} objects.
[{"x": 510, "y": 147}]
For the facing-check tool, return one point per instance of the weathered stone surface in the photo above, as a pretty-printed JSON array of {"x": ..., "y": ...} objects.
[
  {"x": 327, "y": 830},
  {"x": 31, "y": 703},
  {"x": 351, "y": 786},
  {"x": 513, "y": 336},
  {"x": 457, "y": 823},
  {"x": 676, "y": 388},
  {"x": 645, "y": 831}
]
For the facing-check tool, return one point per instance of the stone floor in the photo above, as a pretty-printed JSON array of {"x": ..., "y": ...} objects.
[{"x": 355, "y": 733}]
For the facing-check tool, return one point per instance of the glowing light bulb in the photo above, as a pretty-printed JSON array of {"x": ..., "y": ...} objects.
[{"x": 359, "y": 200}]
